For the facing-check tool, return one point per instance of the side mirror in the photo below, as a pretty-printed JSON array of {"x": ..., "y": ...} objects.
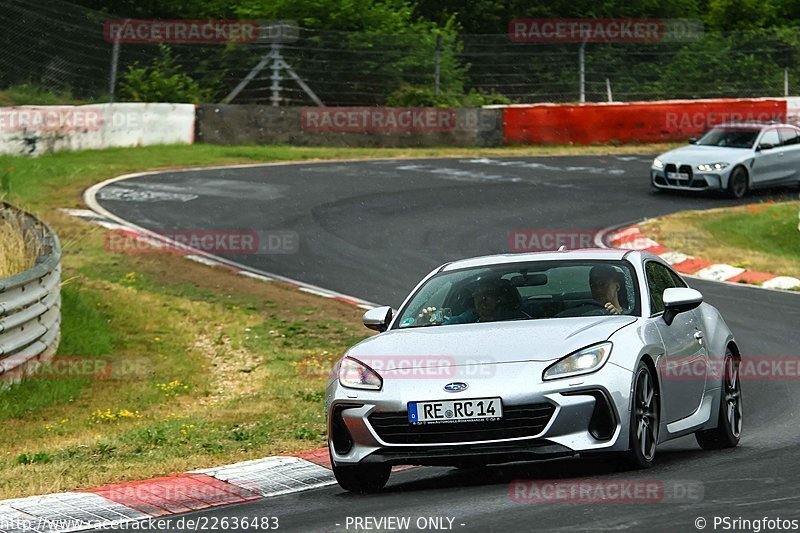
[
  {"x": 378, "y": 318},
  {"x": 764, "y": 146},
  {"x": 679, "y": 300},
  {"x": 692, "y": 140}
]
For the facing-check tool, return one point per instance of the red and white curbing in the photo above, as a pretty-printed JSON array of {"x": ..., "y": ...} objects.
[
  {"x": 631, "y": 238},
  {"x": 160, "y": 497}
]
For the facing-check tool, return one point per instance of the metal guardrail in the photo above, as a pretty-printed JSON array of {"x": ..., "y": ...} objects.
[{"x": 30, "y": 303}]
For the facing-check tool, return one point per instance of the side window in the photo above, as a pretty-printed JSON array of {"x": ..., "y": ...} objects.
[
  {"x": 678, "y": 281},
  {"x": 771, "y": 138},
  {"x": 658, "y": 278},
  {"x": 789, "y": 136}
]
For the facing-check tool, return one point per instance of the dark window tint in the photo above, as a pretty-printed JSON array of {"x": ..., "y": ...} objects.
[
  {"x": 730, "y": 137},
  {"x": 659, "y": 278},
  {"x": 789, "y": 136},
  {"x": 678, "y": 280}
]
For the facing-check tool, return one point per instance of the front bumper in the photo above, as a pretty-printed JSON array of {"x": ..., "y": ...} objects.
[
  {"x": 698, "y": 181},
  {"x": 587, "y": 413}
]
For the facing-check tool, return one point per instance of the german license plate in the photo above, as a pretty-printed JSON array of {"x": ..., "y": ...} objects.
[
  {"x": 678, "y": 175},
  {"x": 449, "y": 411}
]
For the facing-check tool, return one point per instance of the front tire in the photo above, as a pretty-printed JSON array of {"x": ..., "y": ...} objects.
[
  {"x": 644, "y": 422},
  {"x": 737, "y": 183},
  {"x": 729, "y": 427},
  {"x": 361, "y": 478}
]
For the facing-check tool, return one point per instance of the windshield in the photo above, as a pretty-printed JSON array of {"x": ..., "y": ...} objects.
[
  {"x": 730, "y": 137},
  {"x": 524, "y": 291}
]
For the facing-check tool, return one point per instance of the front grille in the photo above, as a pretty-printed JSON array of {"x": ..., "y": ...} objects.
[
  {"x": 518, "y": 421},
  {"x": 671, "y": 168},
  {"x": 687, "y": 169}
]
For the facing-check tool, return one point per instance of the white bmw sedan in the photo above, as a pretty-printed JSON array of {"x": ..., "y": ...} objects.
[{"x": 734, "y": 158}]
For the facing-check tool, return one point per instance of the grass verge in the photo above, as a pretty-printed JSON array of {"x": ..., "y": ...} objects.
[
  {"x": 205, "y": 367},
  {"x": 28, "y": 94},
  {"x": 763, "y": 237}
]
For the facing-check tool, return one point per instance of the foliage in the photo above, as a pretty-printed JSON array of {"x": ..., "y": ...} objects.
[
  {"x": 359, "y": 52},
  {"x": 416, "y": 96},
  {"x": 32, "y": 94},
  {"x": 161, "y": 81}
]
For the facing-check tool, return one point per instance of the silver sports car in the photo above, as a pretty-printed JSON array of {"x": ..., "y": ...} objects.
[
  {"x": 733, "y": 158},
  {"x": 525, "y": 356}
]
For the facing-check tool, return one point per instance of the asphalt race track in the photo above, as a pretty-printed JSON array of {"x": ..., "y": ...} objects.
[{"x": 373, "y": 229}]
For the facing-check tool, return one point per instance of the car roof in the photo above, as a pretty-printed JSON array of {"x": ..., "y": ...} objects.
[
  {"x": 606, "y": 254},
  {"x": 755, "y": 125}
]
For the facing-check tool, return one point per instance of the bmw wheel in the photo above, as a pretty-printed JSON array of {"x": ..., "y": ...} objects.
[
  {"x": 737, "y": 183},
  {"x": 729, "y": 427}
]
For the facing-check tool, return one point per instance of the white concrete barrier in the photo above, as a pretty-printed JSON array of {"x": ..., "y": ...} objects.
[
  {"x": 37, "y": 130},
  {"x": 793, "y": 110}
]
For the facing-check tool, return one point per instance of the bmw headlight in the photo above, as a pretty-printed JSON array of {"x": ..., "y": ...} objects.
[
  {"x": 356, "y": 375},
  {"x": 657, "y": 163},
  {"x": 583, "y": 361},
  {"x": 712, "y": 167}
]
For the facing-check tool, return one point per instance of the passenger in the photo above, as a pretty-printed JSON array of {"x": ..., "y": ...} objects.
[{"x": 494, "y": 300}]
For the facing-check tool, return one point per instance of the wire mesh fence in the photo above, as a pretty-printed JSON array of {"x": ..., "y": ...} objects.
[{"x": 62, "y": 48}]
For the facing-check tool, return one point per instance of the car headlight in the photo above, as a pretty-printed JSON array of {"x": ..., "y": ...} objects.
[
  {"x": 583, "y": 361},
  {"x": 711, "y": 167},
  {"x": 657, "y": 163},
  {"x": 356, "y": 375}
]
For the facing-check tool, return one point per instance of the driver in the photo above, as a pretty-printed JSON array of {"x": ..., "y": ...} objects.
[
  {"x": 494, "y": 300},
  {"x": 606, "y": 283},
  {"x": 607, "y": 286}
]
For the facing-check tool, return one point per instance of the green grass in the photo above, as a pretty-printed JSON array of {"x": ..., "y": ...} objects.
[
  {"x": 83, "y": 331},
  {"x": 770, "y": 229},
  {"x": 28, "y": 94},
  {"x": 762, "y": 237}
]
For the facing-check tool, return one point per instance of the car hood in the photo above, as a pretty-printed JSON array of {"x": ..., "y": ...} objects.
[
  {"x": 696, "y": 155},
  {"x": 495, "y": 342}
]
